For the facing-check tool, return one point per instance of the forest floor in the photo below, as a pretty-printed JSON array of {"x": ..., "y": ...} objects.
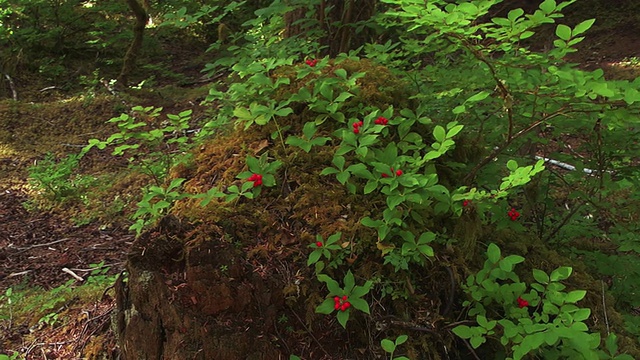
[{"x": 37, "y": 245}]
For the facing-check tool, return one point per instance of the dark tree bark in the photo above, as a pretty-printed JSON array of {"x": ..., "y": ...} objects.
[
  {"x": 344, "y": 13},
  {"x": 134, "y": 49}
]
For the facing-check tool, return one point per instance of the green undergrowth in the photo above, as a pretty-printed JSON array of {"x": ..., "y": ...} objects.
[{"x": 35, "y": 308}]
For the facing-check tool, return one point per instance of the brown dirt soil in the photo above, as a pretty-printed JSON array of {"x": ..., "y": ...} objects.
[{"x": 36, "y": 246}]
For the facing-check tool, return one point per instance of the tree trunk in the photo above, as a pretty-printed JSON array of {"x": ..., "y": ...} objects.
[
  {"x": 344, "y": 12},
  {"x": 142, "y": 17},
  {"x": 194, "y": 299}
]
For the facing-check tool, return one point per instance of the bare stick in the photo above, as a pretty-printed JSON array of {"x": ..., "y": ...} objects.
[
  {"x": 74, "y": 275},
  {"x": 41, "y": 245},
  {"x": 12, "y": 86},
  {"x": 18, "y": 273},
  {"x": 604, "y": 309}
]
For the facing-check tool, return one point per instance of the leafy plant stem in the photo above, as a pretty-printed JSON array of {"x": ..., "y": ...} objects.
[{"x": 498, "y": 150}]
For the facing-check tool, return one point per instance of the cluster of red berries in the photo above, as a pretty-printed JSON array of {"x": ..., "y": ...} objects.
[
  {"x": 256, "y": 178},
  {"x": 397, "y": 172},
  {"x": 341, "y": 303},
  {"x": 356, "y": 126},
  {"x": 381, "y": 121},
  {"x": 466, "y": 203},
  {"x": 311, "y": 62},
  {"x": 513, "y": 214},
  {"x": 522, "y": 302}
]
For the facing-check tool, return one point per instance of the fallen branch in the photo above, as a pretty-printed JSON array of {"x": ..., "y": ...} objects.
[
  {"x": 18, "y": 273},
  {"x": 12, "y": 86},
  {"x": 74, "y": 275},
  {"x": 41, "y": 245},
  {"x": 564, "y": 165}
]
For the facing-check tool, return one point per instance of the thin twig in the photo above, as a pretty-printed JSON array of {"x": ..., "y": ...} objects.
[
  {"x": 310, "y": 333},
  {"x": 466, "y": 343},
  {"x": 12, "y": 86},
  {"x": 604, "y": 309},
  {"x": 73, "y": 275},
  {"x": 41, "y": 245}
]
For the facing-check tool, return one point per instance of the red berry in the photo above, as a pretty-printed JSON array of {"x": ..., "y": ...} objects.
[
  {"x": 356, "y": 131},
  {"x": 466, "y": 203},
  {"x": 319, "y": 244},
  {"x": 384, "y": 175},
  {"x": 521, "y": 302},
  {"x": 336, "y": 299},
  {"x": 399, "y": 172},
  {"x": 337, "y": 306},
  {"x": 344, "y": 306},
  {"x": 344, "y": 298}
]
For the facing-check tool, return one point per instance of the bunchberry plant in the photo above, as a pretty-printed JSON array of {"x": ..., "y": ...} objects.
[
  {"x": 323, "y": 249},
  {"x": 343, "y": 299},
  {"x": 259, "y": 175}
]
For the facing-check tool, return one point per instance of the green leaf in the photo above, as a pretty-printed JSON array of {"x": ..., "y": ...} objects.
[
  {"x": 612, "y": 343},
  {"x": 463, "y": 331},
  {"x": 360, "y": 291},
  {"x": 439, "y": 133},
  {"x": 332, "y": 285},
  {"x": 329, "y": 171},
  {"x": 454, "y": 131},
  {"x": 370, "y": 186},
  {"x": 563, "y": 32},
  {"x": 514, "y": 14},
  {"x": 512, "y": 165},
  {"x": 575, "y": 296},
  {"x": 540, "y": 276},
  {"x": 326, "y": 307},
  {"x": 343, "y": 177},
  {"x": 561, "y": 273},
  {"x": 581, "y": 314},
  {"x": 459, "y": 109},
  {"x": 482, "y": 94},
  {"x": 582, "y": 27},
  {"x": 394, "y": 200},
  {"x": 313, "y": 257},
  {"x": 242, "y": 113},
  {"x": 343, "y": 317},
  {"x": 341, "y": 73},
  {"x": 476, "y": 341},
  {"x": 343, "y": 96},
  {"x": 253, "y": 164},
  {"x": 309, "y": 129},
  {"x": 360, "y": 304},
  {"x": 369, "y": 222},
  {"x": 493, "y": 253},
  {"x": 631, "y": 95},
  {"x": 548, "y": 6},
  {"x": 349, "y": 282},
  {"x": 388, "y": 345},
  {"x": 401, "y": 339}
]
